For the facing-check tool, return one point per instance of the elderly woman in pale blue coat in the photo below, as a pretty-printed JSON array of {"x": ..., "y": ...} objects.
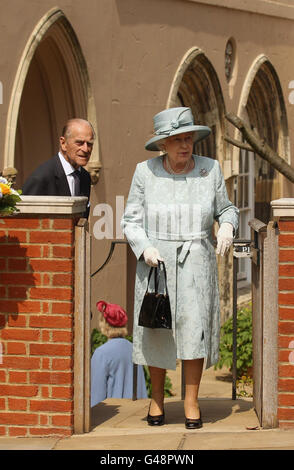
[{"x": 173, "y": 202}]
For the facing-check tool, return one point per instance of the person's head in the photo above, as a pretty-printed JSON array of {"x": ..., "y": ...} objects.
[
  {"x": 179, "y": 147},
  {"x": 112, "y": 320},
  {"x": 76, "y": 142},
  {"x": 174, "y": 123}
]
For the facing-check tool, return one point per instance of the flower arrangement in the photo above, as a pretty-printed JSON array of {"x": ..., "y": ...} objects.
[{"x": 8, "y": 197}]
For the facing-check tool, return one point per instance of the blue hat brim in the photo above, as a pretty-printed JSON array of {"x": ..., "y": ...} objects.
[{"x": 201, "y": 132}]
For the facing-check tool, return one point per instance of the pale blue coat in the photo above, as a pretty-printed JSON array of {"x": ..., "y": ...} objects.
[
  {"x": 112, "y": 372},
  {"x": 175, "y": 214}
]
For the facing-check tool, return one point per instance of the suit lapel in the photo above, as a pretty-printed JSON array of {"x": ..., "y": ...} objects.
[{"x": 62, "y": 187}]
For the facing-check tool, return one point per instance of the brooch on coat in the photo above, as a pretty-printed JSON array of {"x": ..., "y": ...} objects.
[{"x": 203, "y": 172}]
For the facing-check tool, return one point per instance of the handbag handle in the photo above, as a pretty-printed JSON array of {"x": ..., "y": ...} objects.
[{"x": 157, "y": 276}]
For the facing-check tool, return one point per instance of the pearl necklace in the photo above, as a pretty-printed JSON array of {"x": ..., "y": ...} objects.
[{"x": 172, "y": 172}]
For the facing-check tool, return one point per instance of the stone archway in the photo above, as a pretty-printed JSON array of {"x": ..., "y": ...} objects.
[
  {"x": 262, "y": 106},
  {"x": 196, "y": 85},
  {"x": 51, "y": 85}
]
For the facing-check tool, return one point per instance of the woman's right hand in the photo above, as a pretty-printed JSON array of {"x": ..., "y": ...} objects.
[{"x": 151, "y": 256}]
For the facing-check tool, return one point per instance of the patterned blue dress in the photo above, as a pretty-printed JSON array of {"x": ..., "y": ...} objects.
[{"x": 175, "y": 214}]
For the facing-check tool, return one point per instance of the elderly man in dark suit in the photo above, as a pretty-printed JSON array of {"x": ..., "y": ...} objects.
[{"x": 64, "y": 175}]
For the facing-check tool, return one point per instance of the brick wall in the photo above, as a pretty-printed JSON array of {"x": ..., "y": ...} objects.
[
  {"x": 36, "y": 325},
  {"x": 286, "y": 323}
]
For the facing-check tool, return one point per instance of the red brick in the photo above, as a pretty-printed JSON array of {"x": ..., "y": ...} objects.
[
  {"x": 284, "y": 355},
  {"x": 2, "y": 292},
  {"x": 286, "y": 413},
  {"x": 50, "y": 431},
  {"x": 47, "y": 279},
  {"x": 62, "y": 364},
  {"x": 45, "y": 392},
  {"x": 13, "y": 306},
  {"x": 51, "y": 293},
  {"x": 286, "y": 284},
  {"x": 2, "y": 264},
  {"x": 56, "y": 238},
  {"x": 46, "y": 336},
  {"x": 286, "y": 424},
  {"x": 22, "y": 223},
  {"x": 286, "y": 270},
  {"x": 51, "y": 405},
  {"x": 24, "y": 334},
  {"x": 286, "y": 314},
  {"x": 17, "y": 432},
  {"x": 2, "y": 431},
  {"x": 286, "y": 240},
  {"x": 46, "y": 251},
  {"x": 18, "y": 390},
  {"x": 286, "y": 385},
  {"x": 20, "y": 250},
  {"x": 2, "y": 404},
  {"x": 62, "y": 308},
  {"x": 46, "y": 223},
  {"x": 17, "y": 264},
  {"x": 16, "y": 348},
  {"x": 286, "y": 226},
  {"x": 19, "y": 235},
  {"x": 50, "y": 321},
  {"x": 17, "y": 377},
  {"x": 24, "y": 364},
  {"x": 62, "y": 280},
  {"x": 63, "y": 336},
  {"x": 62, "y": 420},
  {"x": 2, "y": 320},
  {"x": 44, "y": 420},
  {"x": 62, "y": 378},
  {"x": 66, "y": 224},
  {"x": 63, "y": 251},
  {"x": 17, "y": 404},
  {"x": 62, "y": 392},
  {"x": 45, "y": 363},
  {"x": 286, "y": 399},
  {"x": 20, "y": 279},
  {"x": 286, "y": 371},
  {"x": 2, "y": 375},
  {"x": 286, "y": 299},
  {"x": 52, "y": 265},
  {"x": 50, "y": 349},
  {"x": 17, "y": 292},
  {"x": 286, "y": 327},
  {"x": 17, "y": 320},
  {"x": 286, "y": 255},
  {"x": 18, "y": 418}
]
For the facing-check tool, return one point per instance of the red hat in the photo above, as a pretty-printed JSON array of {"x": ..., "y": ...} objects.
[{"x": 114, "y": 314}]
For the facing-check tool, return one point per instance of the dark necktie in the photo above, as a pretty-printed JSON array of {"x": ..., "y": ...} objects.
[{"x": 77, "y": 182}]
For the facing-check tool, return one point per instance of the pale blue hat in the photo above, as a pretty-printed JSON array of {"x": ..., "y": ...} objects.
[{"x": 174, "y": 121}]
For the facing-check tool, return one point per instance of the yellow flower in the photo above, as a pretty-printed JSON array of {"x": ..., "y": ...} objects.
[{"x": 5, "y": 189}]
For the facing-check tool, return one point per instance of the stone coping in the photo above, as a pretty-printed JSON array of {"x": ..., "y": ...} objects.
[
  {"x": 283, "y": 207},
  {"x": 52, "y": 205}
]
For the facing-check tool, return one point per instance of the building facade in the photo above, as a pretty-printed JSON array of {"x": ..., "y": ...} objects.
[{"x": 119, "y": 62}]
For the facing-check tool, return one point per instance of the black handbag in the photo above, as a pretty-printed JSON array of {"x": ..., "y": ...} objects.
[{"x": 155, "y": 309}]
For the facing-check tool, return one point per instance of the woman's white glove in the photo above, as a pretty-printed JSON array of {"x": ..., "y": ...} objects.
[
  {"x": 151, "y": 256},
  {"x": 224, "y": 238}
]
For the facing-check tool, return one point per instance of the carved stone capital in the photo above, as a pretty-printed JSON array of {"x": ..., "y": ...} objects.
[{"x": 94, "y": 170}]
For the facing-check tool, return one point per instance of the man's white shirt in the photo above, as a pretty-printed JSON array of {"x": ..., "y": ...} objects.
[{"x": 68, "y": 170}]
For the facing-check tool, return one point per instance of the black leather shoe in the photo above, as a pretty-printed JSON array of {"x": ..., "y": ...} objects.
[
  {"x": 157, "y": 420},
  {"x": 191, "y": 423}
]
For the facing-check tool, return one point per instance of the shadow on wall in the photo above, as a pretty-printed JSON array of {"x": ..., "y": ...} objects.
[{"x": 16, "y": 280}]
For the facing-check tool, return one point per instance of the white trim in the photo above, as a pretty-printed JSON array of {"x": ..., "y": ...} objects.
[{"x": 52, "y": 205}]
